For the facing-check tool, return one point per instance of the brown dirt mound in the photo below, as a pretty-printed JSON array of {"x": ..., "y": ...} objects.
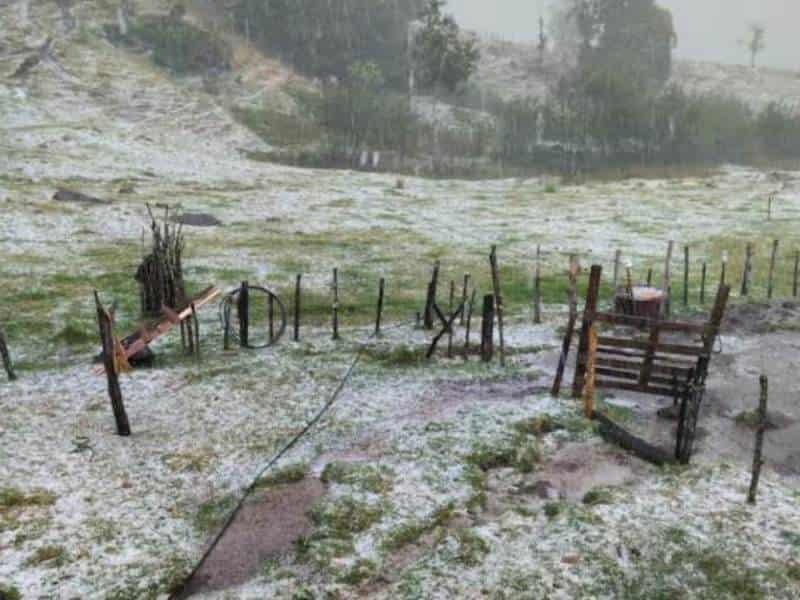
[{"x": 267, "y": 526}]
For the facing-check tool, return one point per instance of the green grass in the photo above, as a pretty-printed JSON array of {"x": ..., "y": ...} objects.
[
  {"x": 13, "y": 498},
  {"x": 365, "y": 476},
  {"x": 212, "y": 514},
  {"x": 50, "y": 556},
  {"x": 288, "y": 474}
]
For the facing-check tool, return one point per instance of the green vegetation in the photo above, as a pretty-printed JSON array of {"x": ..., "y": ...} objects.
[
  {"x": 410, "y": 532},
  {"x": 360, "y": 572},
  {"x": 13, "y": 498},
  {"x": 366, "y": 476},
  {"x": 345, "y": 515},
  {"x": 212, "y": 514},
  {"x": 401, "y": 356},
  {"x": 288, "y": 474},
  {"x": 471, "y": 547},
  {"x": 598, "y": 496},
  {"x": 9, "y": 592},
  {"x": 50, "y": 556},
  {"x": 180, "y": 46}
]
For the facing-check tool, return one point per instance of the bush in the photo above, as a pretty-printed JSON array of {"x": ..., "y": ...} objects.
[{"x": 182, "y": 47}]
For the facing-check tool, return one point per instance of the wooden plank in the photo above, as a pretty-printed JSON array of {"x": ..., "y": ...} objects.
[
  {"x": 647, "y": 364},
  {"x": 653, "y": 390},
  {"x": 635, "y": 376},
  {"x": 680, "y": 372},
  {"x": 645, "y": 323},
  {"x": 645, "y": 345},
  {"x": 666, "y": 361}
]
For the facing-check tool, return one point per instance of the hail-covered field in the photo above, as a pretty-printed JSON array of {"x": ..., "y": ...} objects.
[{"x": 446, "y": 478}]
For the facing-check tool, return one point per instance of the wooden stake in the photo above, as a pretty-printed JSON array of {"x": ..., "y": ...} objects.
[
  {"x": 464, "y": 297},
  {"x": 649, "y": 277},
  {"x": 667, "y": 279},
  {"x": 589, "y": 310},
  {"x": 617, "y": 259},
  {"x": 431, "y": 299},
  {"x": 196, "y": 325},
  {"x": 748, "y": 266},
  {"x": 335, "y": 306},
  {"x": 468, "y": 323},
  {"x": 297, "y": 305},
  {"x": 685, "y": 276},
  {"x": 762, "y": 427},
  {"x": 450, "y": 313},
  {"x": 588, "y": 386},
  {"x": 271, "y": 317},
  {"x": 703, "y": 272},
  {"x": 114, "y": 391},
  {"x": 6, "y": 356},
  {"x": 226, "y": 327},
  {"x": 381, "y": 286},
  {"x": 487, "y": 329},
  {"x": 243, "y": 309},
  {"x": 722, "y": 275},
  {"x": 572, "y": 298},
  {"x": 771, "y": 279},
  {"x": 499, "y": 300},
  {"x": 537, "y": 288}
]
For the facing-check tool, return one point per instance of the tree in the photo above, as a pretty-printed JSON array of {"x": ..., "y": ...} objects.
[
  {"x": 755, "y": 44},
  {"x": 441, "y": 57}
]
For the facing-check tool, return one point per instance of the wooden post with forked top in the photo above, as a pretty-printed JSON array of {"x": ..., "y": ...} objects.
[{"x": 105, "y": 327}]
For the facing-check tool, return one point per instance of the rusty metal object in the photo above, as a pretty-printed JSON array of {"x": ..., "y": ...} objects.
[{"x": 641, "y": 301}]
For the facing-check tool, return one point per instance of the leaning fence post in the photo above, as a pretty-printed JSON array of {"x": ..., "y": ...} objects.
[
  {"x": 537, "y": 287},
  {"x": 748, "y": 266},
  {"x": 771, "y": 279},
  {"x": 109, "y": 364},
  {"x": 487, "y": 329},
  {"x": 572, "y": 299},
  {"x": 589, "y": 381},
  {"x": 297, "y": 308},
  {"x": 6, "y": 356},
  {"x": 381, "y": 287},
  {"x": 243, "y": 309},
  {"x": 724, "y": 268},
  {"x": 762, "y": 427},
  {"x": 499, "y": 300}
]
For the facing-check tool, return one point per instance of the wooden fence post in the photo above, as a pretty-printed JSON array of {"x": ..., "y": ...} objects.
[
  {"x": 649, "y": 277},
  {"x": 722, "y": 274},
  {"x": 771, "y": 279},
  {"x": 703, "y": 271},
  {"x": 617, "y": 259},
  {"x": 381, "y": 287},
  {"x": 762, "y": 427},
  {"x": 590, "y": 308},
  {"x": 243, "y": 309},
  {"x": 572, "y": 299},
  {"x": 796, "y": 273},
  {"x": 748, "y": 266},
  {"x": 588, "y": 385},
  {"x": 109, "y": 364},
  {"x": 464, "y": 297},
  {"x": 685, "y": 276},
  {"x": 297, "y": 305},
  {"x": 499, "y": 301},
  {"x": 468, "y": 323},
  {"x": 335, "y": 305},
  {"x": 6, "y": 356},
  {"x": 487, "y": 329},
  {"x": 196, "y": 326},
  {"x": 271, "y": 317},
  {"x": 449, "y": 314},
  {"x": 537, "y": 287},
  {"x": 431, "y": 298},
  {"x": 667, "y": 279}
]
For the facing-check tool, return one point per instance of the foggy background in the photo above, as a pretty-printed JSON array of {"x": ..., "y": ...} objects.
[{"x": 707, "y": 29}]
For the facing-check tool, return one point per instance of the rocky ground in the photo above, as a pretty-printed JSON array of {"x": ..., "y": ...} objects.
[{"x": 445, "y": 479}]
